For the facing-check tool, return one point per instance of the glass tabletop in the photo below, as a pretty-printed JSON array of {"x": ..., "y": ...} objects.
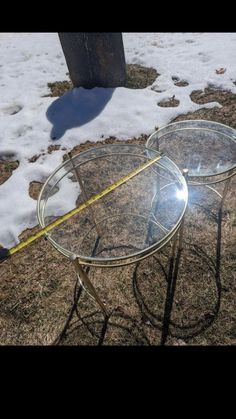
[
  {"x": 136, "y": 217},
  {"x": 205, "y": 148}
]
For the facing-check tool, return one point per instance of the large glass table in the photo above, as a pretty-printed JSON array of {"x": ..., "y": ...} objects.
[{"x": 123, "y": 225}]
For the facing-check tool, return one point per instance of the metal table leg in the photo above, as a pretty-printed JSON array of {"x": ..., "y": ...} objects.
[
  {"x": 88, "y": 285},
  {"x": 172, "y": 275}
]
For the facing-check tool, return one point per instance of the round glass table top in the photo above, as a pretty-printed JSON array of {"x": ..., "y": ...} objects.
[
  {"x": 135, "y": 218},
  {"x": 205, "y": 148}
]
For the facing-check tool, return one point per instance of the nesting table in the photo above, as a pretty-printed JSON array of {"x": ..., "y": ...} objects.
[
  {"x": 123, "y": 226},
  {"x": 207, "y": 149}
]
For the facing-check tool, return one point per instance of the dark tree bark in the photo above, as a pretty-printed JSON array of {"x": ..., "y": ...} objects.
[{"x": 94, "y": 59}]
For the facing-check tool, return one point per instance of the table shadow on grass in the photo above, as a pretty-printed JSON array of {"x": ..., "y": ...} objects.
[
  {"x": 191, "y": 295},
  {"x": 118, "y": 328}
]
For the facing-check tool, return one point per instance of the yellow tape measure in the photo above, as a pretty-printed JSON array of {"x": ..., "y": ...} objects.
[{"x": 5, "y": 253}]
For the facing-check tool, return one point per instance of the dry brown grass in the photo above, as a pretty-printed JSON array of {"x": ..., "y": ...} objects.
[
  {"x": 37, "y": 284},
  {"x": 224, "y": 115},
  {"x": 169, "y": 103},
  {"x": 6, "y": 169}
]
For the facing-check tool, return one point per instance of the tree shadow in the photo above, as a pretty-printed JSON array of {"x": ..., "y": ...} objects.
[{"x": 75, "y": 108}]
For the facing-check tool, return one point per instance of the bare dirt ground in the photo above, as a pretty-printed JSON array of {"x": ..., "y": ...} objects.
[{"x": 37, "y": 283}]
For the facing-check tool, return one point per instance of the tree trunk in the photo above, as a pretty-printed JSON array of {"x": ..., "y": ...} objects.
[{"x": 94, "y": 59}]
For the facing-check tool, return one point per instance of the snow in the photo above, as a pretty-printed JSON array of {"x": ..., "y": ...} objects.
[{"x": 29, "y": 120}]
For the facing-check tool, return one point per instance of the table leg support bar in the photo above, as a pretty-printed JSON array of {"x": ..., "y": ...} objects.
[
  {"x": 88, "y": 285},
  {"x": 173, "y": 275}
]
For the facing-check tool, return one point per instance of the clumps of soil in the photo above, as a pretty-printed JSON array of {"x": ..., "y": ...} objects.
[
  {"x": 34, "y": 189},
  {"x": 169, "y": 103},
  {"x": 138, "y": 77},
  {"x": 52, "y": 148},
  {"x": 179, "y": 83},
  {"x": 212, "y": 95},
  {"x": 34, "y": 158},
  {"x": 6, "y": 169},
  {"x": 224, "y": 115},
  {"x": 58, "y": 88}
]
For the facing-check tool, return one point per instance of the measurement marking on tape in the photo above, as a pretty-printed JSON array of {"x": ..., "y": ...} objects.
[{"x": 81, "y": 207}]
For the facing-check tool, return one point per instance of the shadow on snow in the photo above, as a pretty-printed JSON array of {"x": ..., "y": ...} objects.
[{"x": 75, "y": 108}]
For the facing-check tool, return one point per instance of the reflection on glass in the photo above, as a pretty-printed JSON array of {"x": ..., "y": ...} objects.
[{"x": 181, "y": 194}]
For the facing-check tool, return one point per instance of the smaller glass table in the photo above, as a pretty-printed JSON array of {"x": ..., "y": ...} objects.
[
  {"x": 207, "y": 149},
  {"x": 131, "y": 222}
]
